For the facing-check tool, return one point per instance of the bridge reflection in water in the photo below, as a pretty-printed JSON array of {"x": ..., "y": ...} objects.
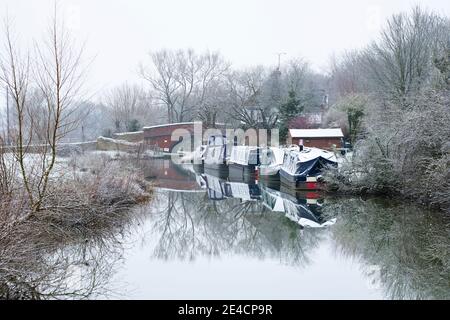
[{"x": 301, "y": 207}]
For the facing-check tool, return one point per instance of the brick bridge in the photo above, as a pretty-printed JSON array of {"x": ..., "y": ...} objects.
[{"x": 161, "y": 136}]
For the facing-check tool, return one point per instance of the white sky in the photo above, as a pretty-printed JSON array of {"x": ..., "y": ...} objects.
[{"x": 248, "y": 32}]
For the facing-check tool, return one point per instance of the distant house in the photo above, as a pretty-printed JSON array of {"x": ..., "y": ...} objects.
[
  {"x": 307, "y": 121},
  {"x": 319, "y": 138}
]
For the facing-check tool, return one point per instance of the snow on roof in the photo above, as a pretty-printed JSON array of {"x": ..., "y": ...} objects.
[
  {"x": 128, "y": 133},
  {"x": 169, "y": 125},
  {"x": 178, "y": 124},
  {"x": 241, "y": 154},
  {"x": 309, "y": 154},
  {"x": 316, "y": 133}
]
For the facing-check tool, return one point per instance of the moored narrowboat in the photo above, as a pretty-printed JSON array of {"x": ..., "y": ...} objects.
[
  {"x": 271, "y": 159},
  {"x": 302, "y": 169},
  {"x": 243, "y": 162},
  {"x": 215, "y": 156}
]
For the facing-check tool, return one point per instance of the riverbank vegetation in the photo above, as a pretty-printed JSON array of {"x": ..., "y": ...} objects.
[
  {"x": 47, "y": 201},
  {"x": 395, "y": 97},
  {"x": 86, "y": 208},
  {"x": 65, "y": 248}
]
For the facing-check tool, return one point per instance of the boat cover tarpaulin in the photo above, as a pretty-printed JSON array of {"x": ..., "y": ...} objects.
[
  {"x": 308, "y": 162},
  {"x": 244, "y": 155},
  {"x": 312, "y": 167}
]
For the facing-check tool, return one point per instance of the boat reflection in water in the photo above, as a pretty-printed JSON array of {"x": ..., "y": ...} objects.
[
  {"x": 304, "y": 208},
  {"x": 301, "y": 207},
  {"x": 221, "y": 189}
]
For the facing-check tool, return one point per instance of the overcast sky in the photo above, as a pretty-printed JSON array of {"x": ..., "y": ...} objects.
[{"x": 248, "y": 32}]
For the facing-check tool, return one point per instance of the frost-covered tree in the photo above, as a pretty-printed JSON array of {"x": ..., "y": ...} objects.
[
  {"x": 184, "y": 81},
  {"x": 399, "y": 121},
  {"x": 129, "y": 107},
  {"x": 400, "y": 64}
]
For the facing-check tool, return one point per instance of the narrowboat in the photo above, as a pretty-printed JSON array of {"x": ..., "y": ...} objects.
[
  {"x": 243, "y": 162},
  {"x": 215, "y": 156},
  {"x": 271, "y": 159},
  {"x": 302, "y": 169}
]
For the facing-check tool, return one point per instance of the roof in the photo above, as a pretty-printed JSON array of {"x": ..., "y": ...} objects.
[
  {"x": 128, "y": 133},
  {"x": 169, "y": 125},
  {"x": 179, "y": 124},
  {"x": 316, "y": 133}
]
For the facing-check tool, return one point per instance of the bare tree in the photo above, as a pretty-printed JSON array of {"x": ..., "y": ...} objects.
[
  {"x": 400, "y": 125},
  {"x": 182, "y": 80},
  {"x": 59, "y": 76},
  {"x": 245, "y": 88},
  {"x": 400, "y": 64},
  {"x": 44, "y": 89},
  {"x": 129, "y": 106},
  {"x": 15, "y": 67},
  {"x": 256, "y": 94},
  {"x": 210, "y": 93},
  {"x": 296, "y": 74},
  {"x": 346, "y": 74}
]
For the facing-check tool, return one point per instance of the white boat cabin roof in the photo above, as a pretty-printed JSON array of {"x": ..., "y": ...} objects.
[{"x": 309, "y": 154}]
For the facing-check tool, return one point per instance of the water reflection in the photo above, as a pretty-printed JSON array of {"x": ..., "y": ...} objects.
[
  {"x": 63, "y": 264},
  {"x": 229, "y": 216},
  {"x": 303, "y": 208},
  {"x": 166, "y": 175},
  {"x": 400, "y": 251},
  {"x": 404, "y": 250},
  {"x": 189, "y": 226}
]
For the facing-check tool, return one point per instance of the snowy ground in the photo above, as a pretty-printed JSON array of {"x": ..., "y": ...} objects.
[{"x": 65, "y": 167}]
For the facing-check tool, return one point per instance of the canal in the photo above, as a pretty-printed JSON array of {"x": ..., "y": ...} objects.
[
  {"x": 204, "y": 237},
  {"x": 208, "y": 238}
]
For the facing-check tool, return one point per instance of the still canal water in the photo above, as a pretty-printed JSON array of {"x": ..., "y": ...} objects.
[{"x": 208, "y": 238}]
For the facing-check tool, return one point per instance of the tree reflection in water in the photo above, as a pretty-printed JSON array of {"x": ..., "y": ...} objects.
[
  {"x": 404, "y": 249},
  {"x": 190, "y": 225},
  {"x": 58, "y": 263}
]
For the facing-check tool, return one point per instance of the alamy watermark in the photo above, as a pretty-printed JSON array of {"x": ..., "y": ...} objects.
[{"x": 220, "y": 141}]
